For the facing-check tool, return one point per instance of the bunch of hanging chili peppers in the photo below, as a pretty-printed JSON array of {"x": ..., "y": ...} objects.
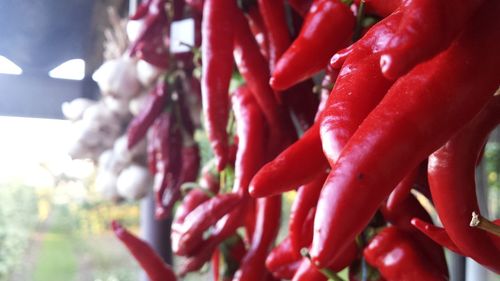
[{"x": 356, "y": 105}]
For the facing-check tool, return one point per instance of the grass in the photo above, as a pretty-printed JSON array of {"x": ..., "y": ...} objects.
[{"x": 57, "y": 261}]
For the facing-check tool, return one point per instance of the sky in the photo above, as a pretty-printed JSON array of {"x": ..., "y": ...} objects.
[{"x": 28, "y": 145}]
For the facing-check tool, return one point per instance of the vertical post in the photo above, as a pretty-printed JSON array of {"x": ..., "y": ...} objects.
[
  {"x": 156, "y": 233},
  {"x": 132, "y": 6},
  {"x": 457, "y": 267}
]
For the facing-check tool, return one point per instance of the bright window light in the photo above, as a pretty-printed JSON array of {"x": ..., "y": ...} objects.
[
  {"x": 9, "y": 67},
  {"x": 72, "y": 69}
]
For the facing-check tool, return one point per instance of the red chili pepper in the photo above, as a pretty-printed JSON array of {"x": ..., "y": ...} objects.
[
  {"x": 308, "y": 272},
  {"x": 167, "y": 136},
  {"x": 216, "y": 265},
  {"x": 358, "y": 89},
  {"x": 287, "y": 170},
  {"x": 437, "y": 234},
  {"x": 224, "y": 228},
  {"x": 251, "y": 131},
  {"x": 427, "y": 28},
  {"x": 273, "y": 13},
  {"x": 300, "y": 6},
  {"x": 151, "y": 145},
  {"x": 253, "y": 67},
  {"x": 154, "y": 105},
  {"x": 152, "y": 44},
  {"x": 203, "y": 255},
  {"x": 415, "y": 179},
  {"x": 192, "y": 200},
  {"x": 266, "y": 229},
  {"x": 286, "y": 271},
  {"x": 452, "y": 183},
  {"x": 397, "y": 257},
  {"x": 420, "y": 112},
  {"x": 302, "y": 103},
  {"x": 382, "y": 8},
  {"x": 401, "y": 214},
  {"x": 327, "y": 28},
  {"x": 153, "y": 265},
  {"x": 256, "y": 23},
  {"x": 178, "y": 9},
  {"x": 197, "y": 5},
  {"x": 217, "y": 67},
  {"x": 205, "y": 215},
  {"x": 210, "y": 180},
  {"x": 302, "y": 212},
  {"x": 281, "y": 256}
]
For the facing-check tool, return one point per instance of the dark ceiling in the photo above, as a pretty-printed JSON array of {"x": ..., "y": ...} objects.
[{"x": 39, "y": 35}]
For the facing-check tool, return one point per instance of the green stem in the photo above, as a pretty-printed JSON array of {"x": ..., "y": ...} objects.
[
  {"x": 347, "y": 2},
  {"x": 187, "y": 186},
  {"x": 359, "y": 21},
  {"x": 330, "y": 274}
]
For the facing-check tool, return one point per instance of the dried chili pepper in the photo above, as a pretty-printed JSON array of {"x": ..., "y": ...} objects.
[
  {"x": 189, "y": 172},
  {"x": 152, "y": 43},
  {"x": 216, "y": 48},
  {"x": 168, "y": 140},
  {"x": 327, "y": 28},
  {"x": 153, "y": 265},
  {"x": 154, "y": 105},
  {"x": 419, "y": 113},
  {"x": 397, "y": 257}
]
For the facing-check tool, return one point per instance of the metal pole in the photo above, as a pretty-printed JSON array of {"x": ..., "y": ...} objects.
[
  {"x": 457, "y": 267},
  {"x": 156, "y": 233},
  {"x": 132, "y": 6}
]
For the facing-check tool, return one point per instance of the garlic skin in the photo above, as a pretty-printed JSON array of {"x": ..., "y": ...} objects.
[
  {"x": 74, "y": 109},
  {"x": 137, "y": 104},
  {"x": 105, "y": 184},
  {"x": 147, "y": 73},
  {"x": 134, "y": 182},
  {"x": 118, "y": 78}
]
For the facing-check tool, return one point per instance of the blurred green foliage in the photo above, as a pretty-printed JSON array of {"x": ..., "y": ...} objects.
[
  {"x": 18, "y": 217},
  {"x": 492, "y": 162}
]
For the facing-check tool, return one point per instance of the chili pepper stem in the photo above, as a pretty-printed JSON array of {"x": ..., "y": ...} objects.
[
  {"x": 484, "y": 224},
  {"x": 325, "y": 271},
  {"x": 359, "y": 21}
]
